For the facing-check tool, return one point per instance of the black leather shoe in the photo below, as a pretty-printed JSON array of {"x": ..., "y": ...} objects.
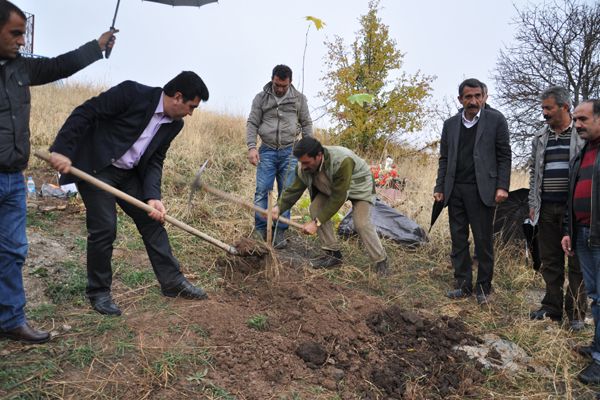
[
  {"x": 382, "y": 268},
  {"x": 186, "y": 290},
  {"x": 543, "y": 314},
  {"x": 585, "y": 351},
  {"x": 458, "y": 294},
  {"x": 591, "y": 374},
  {"x": 329, "y": 260},
  {"x": 105, "y": 305},
  {"x": 26, "y": 334}
]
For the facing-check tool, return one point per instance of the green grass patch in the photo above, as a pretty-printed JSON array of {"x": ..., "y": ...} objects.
[
  {"x": 68, "y": 287},
  {"x": 81, "y": 243},
  {"x": 45, "y": 221},
  {"x": 41, "y": 312},
  {"x": 134, "y": 279},
  {"x": 81, "y": 356},
  {"x": 200, "y": 331},
  {"x": 259, "y": 322},
  {"x": 15, "y": 370}
]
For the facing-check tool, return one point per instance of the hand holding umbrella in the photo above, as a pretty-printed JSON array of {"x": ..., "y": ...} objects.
[
  {"x": 111, "y": 39},
  {"x": 436, "y": 209},
  {"x": 107, "y": 41}
]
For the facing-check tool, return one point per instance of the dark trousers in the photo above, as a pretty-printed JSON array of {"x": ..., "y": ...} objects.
[
  {"x": 101, "y": 221},
  {"x": 550, "y": 234},
  {"x": 465, "y": 209}
]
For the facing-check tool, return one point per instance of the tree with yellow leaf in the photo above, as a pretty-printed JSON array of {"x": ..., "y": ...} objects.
[{"x": 369, "y": 98}]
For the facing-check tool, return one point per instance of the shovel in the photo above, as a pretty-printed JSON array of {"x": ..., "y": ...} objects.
[
  {"x": 243, "y": 249},
  {"x": 198, "y": 184}
]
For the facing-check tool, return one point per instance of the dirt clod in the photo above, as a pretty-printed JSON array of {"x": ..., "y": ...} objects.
[{"x": 313, "y": 354}]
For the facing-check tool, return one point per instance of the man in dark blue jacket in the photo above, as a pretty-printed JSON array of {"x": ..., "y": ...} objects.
[
  {"x": 121, "y": 137},
  {"x": 16, "y": 75}
]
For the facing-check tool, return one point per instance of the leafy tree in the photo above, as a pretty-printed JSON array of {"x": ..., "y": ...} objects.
[
  {"x": 556, "y": 43},
  {"x": 368, "y": 106}
]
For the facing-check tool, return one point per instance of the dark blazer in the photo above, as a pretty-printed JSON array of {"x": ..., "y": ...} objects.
[
  {"x": 491, "y": 155},
  {"x": 101, "y": 130}
]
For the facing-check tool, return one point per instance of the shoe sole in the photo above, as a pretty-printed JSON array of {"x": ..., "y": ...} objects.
[
  {"x": 19, "y": 339},
  {"x": 179, "y": 295},
  {"x": 115, "y": 314}
]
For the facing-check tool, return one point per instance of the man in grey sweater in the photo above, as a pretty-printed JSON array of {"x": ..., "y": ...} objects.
[{"x": 279, "y": 113}]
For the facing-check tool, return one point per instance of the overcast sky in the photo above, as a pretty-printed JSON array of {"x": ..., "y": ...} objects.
[{"x": 234, "y": 44}]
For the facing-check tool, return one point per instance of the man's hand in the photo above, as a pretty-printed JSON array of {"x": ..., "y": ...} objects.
[
  {"x": 310, "y": 228},
  {"x": 253, "y": 157},
  {"x": 531, "y": 214},
  {"x": 159, "y": 211},
  {"x": 438, "y": 196},
  {"x": 501, "y": 195},
  {"x": 275, "y": 213},
  {"x": 107, "y": 39},
  {"x": 60, "y": 163},
  {"x": 566, "y": 246}
]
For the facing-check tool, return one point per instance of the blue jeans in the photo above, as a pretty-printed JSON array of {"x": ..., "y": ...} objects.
[
  {"x": 589, "y": 259},
  {"x": 13, "y": 249},
  {"x": 274, "y": 165}
]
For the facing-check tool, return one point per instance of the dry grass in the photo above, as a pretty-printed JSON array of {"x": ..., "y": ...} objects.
[{"x": 420, "y": 276}]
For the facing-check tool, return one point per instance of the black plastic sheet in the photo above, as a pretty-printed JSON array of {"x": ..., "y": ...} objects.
[{"x": 389, "y": 224}]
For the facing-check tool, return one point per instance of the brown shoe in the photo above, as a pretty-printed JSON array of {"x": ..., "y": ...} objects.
[{"x": 26, "y": 334}]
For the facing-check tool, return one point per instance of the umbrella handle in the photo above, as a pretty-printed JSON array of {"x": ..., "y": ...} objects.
[{"x": 108, "y": 50}]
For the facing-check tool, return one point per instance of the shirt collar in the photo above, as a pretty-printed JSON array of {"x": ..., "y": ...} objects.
[
  {"x": 567, "y": 129},
  {"x": 475, "y": 119},
  {"x": 160, "y": 108}
]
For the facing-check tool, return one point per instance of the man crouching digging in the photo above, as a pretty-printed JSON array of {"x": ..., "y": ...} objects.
[
  {"x": 334, "y": 174},
  {"x": 121, "y": 137}
]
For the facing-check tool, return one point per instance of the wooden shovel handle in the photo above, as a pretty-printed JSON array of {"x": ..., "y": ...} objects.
[
  {"x": 247, "y": 204},
  {"x": 44, "y": 155}
]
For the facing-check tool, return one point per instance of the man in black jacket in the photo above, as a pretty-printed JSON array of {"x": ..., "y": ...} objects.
[
  {"x": 581, "y": 224},
  {"x": 121, "y": 137},
  {"x": 16, "y": 75}
]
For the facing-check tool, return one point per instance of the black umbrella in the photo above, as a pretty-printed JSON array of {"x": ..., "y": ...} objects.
[
  {"x": 436, "y": 210},
  {"x": 190, "y": 3},
  {"x": 510, "y": 215},
  {"x": 530, "y": 232}
]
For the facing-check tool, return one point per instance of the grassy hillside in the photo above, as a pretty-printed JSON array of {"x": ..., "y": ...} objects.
[{"x": 141, "y": 356}]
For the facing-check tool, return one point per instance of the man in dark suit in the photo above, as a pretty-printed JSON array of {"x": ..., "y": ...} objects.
[
  {"x": 473, "y": 175},
  {"x": 121, "y": 137}
]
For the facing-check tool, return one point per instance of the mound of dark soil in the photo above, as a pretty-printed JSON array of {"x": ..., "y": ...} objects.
[{"x": 420, "y": 355}]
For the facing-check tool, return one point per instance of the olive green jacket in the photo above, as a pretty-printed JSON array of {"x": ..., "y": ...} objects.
[{"x": 350, "y": 178}]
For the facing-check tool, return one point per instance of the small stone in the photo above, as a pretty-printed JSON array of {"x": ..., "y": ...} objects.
[
  {"x": 66, "y": 327},
  {"x": 329, "y": 384},
  {"x": 337, "y": 374}
]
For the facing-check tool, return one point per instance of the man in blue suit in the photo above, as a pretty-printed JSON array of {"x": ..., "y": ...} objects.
[
  {"x": 121, "y": 137},
  {"x": 473, "y": 175}
]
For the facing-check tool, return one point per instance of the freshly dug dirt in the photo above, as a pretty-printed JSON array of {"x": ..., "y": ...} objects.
[
  {"x": 420, "y": 354},
  {"x": 319, "y": 337}
]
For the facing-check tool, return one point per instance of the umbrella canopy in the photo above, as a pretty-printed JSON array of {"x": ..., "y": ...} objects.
[{"x": 191, "y": 3}]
